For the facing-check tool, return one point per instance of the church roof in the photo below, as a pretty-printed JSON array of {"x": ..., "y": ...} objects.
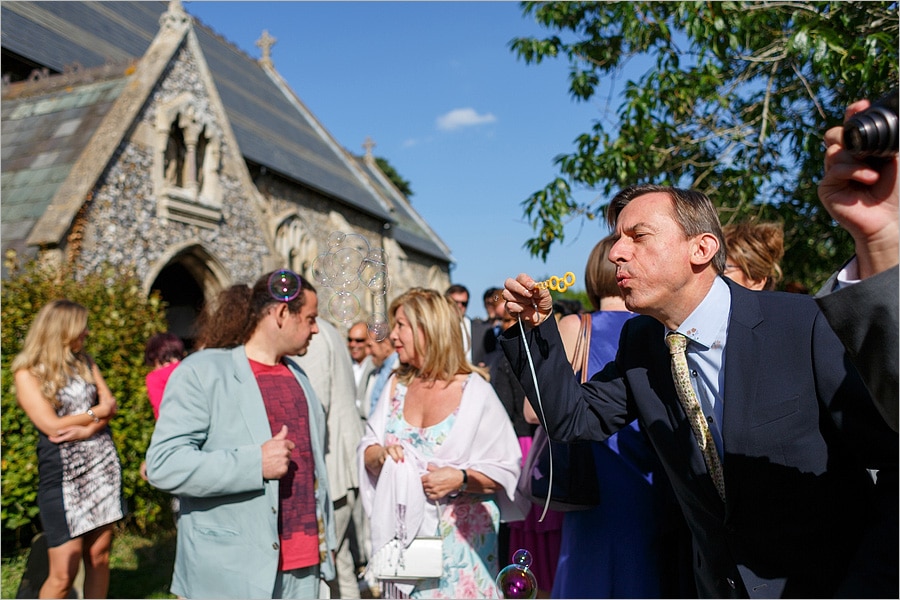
[
  {"x": 44, "y": 132},
  {"x": 410, "y": 229},
  {"x": 272, "y": 127}
]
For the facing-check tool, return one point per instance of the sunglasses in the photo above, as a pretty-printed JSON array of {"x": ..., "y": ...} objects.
[{"x": 357, "y": 340}]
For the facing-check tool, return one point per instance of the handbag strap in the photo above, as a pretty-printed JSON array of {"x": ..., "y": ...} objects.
[
  {"x": 582, "y": 347},
  {"x": 437, "y": 509}
]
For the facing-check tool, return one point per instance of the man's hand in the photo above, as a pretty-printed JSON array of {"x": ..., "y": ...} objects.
[
  {"x": 523, "y": 300},
  {"x": 276, "y": 455},
  {"x": 863, "y": 199}
]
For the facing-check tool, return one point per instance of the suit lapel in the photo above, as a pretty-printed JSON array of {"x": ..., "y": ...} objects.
[
  {"x": 743, "y": 351},
  {"x": 250, "y": 401}
]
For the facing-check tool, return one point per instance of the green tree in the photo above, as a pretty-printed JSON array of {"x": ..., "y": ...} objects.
[
  {"x": 394, "y": 176},
  {"x": 734, "y": 102},
  {"x": 121, "y": 319}
]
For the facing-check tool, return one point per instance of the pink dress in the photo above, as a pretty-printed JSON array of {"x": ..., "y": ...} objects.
[
  {"x": 541, "y": 538},
  {"x": 156, "y": 385}
]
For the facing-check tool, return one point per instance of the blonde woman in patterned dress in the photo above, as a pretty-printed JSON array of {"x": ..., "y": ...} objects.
[
  {"x": 439, "y": 453},
  {"x": 80, "y": 491}
]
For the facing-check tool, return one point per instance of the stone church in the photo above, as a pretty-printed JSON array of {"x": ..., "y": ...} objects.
[{"x": 133, "y": 134}]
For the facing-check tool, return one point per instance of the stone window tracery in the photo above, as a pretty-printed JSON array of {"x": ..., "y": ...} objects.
[
  {"x": 296, "y": 246},
  {"x": 188, "y": 165}
]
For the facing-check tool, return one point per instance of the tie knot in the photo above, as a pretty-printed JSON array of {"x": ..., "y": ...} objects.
[{"x": 676, "y": 342}]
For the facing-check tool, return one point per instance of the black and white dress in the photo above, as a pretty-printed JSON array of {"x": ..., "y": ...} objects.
[{"x": 81, "y": 481}]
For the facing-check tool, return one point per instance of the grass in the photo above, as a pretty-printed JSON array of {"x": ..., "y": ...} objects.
[{"x": 140, "y": 567}]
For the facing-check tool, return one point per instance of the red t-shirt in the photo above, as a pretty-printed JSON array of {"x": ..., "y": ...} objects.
[{"x": 297, "y": 519}]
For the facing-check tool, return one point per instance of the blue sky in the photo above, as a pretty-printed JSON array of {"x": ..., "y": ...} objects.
[{"x": 435, "y": 85}]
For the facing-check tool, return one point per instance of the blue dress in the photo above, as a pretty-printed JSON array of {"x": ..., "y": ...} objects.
[{"x": 620, "y": 548}]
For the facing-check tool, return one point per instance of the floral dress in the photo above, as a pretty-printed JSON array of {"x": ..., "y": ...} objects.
[{"x": 468, "y": 523}]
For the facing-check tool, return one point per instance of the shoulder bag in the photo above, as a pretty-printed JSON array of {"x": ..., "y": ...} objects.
[{"x": 575, "y": 485}]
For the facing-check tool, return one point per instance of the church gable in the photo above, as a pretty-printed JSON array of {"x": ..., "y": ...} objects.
[
  {"x": 199, "y": 168},
  {"x": 176, "y": 182}
]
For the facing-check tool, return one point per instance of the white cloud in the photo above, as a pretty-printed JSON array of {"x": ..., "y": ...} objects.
[{"x": 463, "y": 117}]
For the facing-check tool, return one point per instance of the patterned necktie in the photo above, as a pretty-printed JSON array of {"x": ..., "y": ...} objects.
[{"x": 677, "y": 344}]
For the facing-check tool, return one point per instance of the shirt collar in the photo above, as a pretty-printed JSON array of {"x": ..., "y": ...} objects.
[{"x": 705, "y": 323}]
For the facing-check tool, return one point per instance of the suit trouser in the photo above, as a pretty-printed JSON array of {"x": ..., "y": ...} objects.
[{"x": 345, "y": 585}]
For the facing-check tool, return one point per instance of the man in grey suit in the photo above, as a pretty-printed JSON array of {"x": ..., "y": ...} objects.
[
  {"x": 790, "y": 419},
  {"x": 242, "y": 442},
  {"x": 860, "y": 301},
  {"x": 331, "y": 375}
]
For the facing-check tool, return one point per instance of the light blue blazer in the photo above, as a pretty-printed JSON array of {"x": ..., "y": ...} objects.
[{"x": 207, "y": 449}]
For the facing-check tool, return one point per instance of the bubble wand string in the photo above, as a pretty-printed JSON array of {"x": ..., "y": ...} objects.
[{"x": 560, "y": 285}]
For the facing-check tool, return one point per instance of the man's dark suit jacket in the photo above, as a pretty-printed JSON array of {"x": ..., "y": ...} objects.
[
  {"x": 864, "y": 316},
  {"x": 484, "y": 340},
  {"x": 802, "y": 517}
]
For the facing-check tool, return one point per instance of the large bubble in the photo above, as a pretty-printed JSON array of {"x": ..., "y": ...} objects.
[
  {"x": 517, "y": 580},
  {"x": 348, "y": 265}
]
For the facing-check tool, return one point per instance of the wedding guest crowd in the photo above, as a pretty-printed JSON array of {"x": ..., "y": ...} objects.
[{"x": 744, "y": 439}]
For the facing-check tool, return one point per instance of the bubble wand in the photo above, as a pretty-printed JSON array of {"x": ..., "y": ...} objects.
[{"x": 559, "y": 284}]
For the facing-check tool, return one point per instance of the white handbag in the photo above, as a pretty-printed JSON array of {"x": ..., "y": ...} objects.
[{"x": 422, "y": 559}]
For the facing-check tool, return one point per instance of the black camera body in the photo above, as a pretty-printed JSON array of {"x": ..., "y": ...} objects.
[{"x": 874, "y": 131}]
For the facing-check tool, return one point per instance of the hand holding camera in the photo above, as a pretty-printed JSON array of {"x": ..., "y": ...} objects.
[
  {"x": 859, "y": 189},
  {"x": 873, "y": 131}
]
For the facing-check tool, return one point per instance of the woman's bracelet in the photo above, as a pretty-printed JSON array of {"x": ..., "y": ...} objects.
[{"x": 90, "y": 413}]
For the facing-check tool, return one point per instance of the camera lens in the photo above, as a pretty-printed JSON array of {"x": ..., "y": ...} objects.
[{"x": 874, "y": 131}]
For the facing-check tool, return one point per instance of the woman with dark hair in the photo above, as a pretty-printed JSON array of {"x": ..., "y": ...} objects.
[
  {"x": 163, "y": 352},
  {"x": 241, "y": 441},
  {"x": 79, "y": 494}
]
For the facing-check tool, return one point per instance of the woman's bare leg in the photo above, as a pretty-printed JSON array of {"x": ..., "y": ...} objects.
[
  {"x": 63, "y": 568},
  {"x": 97, "y": 548}
]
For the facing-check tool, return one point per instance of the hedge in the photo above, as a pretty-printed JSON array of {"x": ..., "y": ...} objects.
[{"x": 122, "y": 318}]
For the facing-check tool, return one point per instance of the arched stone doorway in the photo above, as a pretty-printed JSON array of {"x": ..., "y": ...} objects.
[
  {"x": 184, "y": 299},
  {"x": 185, "y": 282}
]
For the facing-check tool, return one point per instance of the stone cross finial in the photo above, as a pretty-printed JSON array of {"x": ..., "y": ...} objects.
[
  {"x": 368, "y": 145},
  {"x": 174, "y": 17},
  {"x": 265, "y": 43}
]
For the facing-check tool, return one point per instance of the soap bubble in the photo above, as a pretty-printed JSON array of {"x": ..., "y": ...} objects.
[
  {"x": 373, "y": 274},
  {"x": 284, "y": 285},
  {"x": 379, "y": 328},
  {"x": 335, "y": 239},
  {"x": 517, "y": 580},
  {"x": 348, "y": 265},
  {"x": 321, "y": 268},
  {"x": 344, "y": 306}
]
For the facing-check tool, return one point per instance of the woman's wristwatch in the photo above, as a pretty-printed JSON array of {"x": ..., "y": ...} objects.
[
  {"x": 90, "y": 413},
  {"x": 462, "y": 487}
]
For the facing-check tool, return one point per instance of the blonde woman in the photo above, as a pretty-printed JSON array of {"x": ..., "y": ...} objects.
[
  {"x": 439, "y": 453},
  {"x": 62, "y": 391}
]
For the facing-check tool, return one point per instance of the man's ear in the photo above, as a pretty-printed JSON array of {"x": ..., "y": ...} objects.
[
  {"x": 705, "y": 246},
  {"x": 280, "y": 311}
]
